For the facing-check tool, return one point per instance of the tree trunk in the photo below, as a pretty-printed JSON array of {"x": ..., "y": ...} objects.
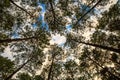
[
  {"x": 18, "y": 69},
  {"x": 87, "y": 12},
  {"x": 51, "y": 66},
  {"x": 50, "y": 71},
  {"x": 52, "y": 9},
  {"x": 116, "y": 77},
  {"x": 99, "y": 46},
  {"x": 15, "y": 40},
  {"x": 88, "y": 5},
  {"x": 21, "y": 8}
]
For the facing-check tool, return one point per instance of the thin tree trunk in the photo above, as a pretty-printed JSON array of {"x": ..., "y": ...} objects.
[
  {"x": 53, "y": 12},
  {"x": 15, "y": 40},
  {"x": 103, "y": 68},
  {"x": 21, "y": 8},
  {"x": 87, "y": 12},
  {"x": 88, "y": 5},
  {"x": 51, "y": 66},
  {"x": 99, "y": 46},
  {"x": 50, "y": 70},
  {"x": 18, "y": 69}
]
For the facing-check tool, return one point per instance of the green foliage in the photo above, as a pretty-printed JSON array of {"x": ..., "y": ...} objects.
[
  {"x": 99, "y": 37},
  {"x": 110, "y": 18},
  {"x": 6, "y": 67},
  {"x": 5, "y": 3},
  {"x": 56, "y": 69},
  {"x": 114, "y": 25},
  {"x": 71, "y": 68},
  {"x": 6, "y": 64},
  {"x": 38, "y": 77},
  {"x": 24, "y": 76},
  {"x": 6, "y": 21},
  {"x": 92, "y": 61}
]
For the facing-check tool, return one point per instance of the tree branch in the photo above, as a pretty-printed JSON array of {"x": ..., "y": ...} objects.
[{"x": 21, "y": 8}]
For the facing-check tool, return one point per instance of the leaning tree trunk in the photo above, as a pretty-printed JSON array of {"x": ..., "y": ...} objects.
[
  {"x": 16, "y": 40},
  {"x": 99, "y": 46},
  {"x": 21, "y": 8},
  {"x": 18, "y": 69},
  {"x": 53, "y": 12},
  {"x": 50, "y": 71},
  {"x": 87, "y": 12},
  {"x": 51, "y": 66},
  {"x": 96, "y": 63}
]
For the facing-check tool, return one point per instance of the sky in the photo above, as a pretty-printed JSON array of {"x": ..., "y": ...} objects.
[
  {"x": 57, "y": 38},
  {"x": 60, "y": 40}
]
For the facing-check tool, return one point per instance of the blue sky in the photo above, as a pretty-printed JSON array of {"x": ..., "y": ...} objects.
[{"x": 56, "y": 38}]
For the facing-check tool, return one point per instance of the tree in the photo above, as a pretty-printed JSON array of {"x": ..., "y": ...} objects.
[
  {"x": 72, "y": 40},
  {"x": 103, "y": 35},
  {"x": 28, "y": 25}
]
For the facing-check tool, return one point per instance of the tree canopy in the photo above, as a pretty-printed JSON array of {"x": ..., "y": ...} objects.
[{"x": 91, "y": 29}]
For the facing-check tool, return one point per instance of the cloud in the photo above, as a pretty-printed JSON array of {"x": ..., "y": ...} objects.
[
  {"x": 7, "y": 53},
  {"x": 58, "y": 39}
]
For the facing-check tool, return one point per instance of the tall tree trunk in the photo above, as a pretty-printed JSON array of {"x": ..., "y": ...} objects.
[
  {"x": 53, "y": 13},
  {"x": 87, "y": 12},
  {"x": 18, "y": 69},
  {"x": 51, "y": 66},
  {"x": 50, "y": 71},
  {"x": 88, "y": 5},
  {"x": 15, "y": 40},
  {"x": 21, "y": 8},
  {"x": 52, "y": 9},
  {"x": 116, "y": 77},
  {"x": 99, "y": 46}
]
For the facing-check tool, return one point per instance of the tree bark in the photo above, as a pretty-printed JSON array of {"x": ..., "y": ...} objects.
[
  {"x": 99, "y": 46},
  {"x": 16, "y": 40},
  {"x": 53, "y": 12},
  {"x": 51, "y": 66},
  {"x": 88, "y": 5},
  {"x": 116, "y": 77},
  {"x": 21, "y": 8},
  {"x": 50, "y": 71},
  {"x": 87, "y": 13},
  {"x": 18, "y": 69}
]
